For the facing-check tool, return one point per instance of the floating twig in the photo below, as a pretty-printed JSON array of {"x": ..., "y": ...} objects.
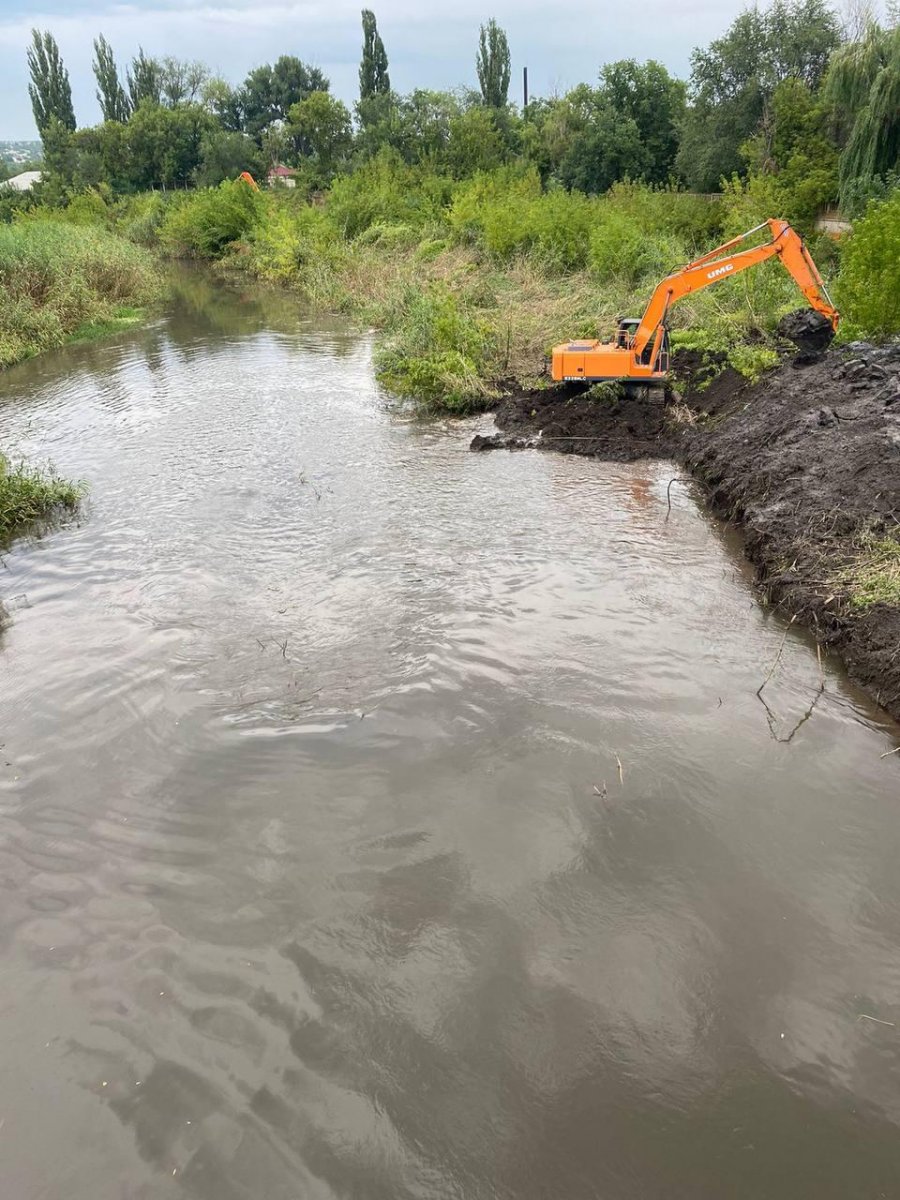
[
  {"x": 888, "y": 753},
  {"x": 621, "y": 771},
  {"x": 877, "y": 1020}
]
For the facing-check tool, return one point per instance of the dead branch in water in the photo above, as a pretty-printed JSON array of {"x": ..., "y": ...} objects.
[
  {"x": 771, "y": 715},
  {"x": 777, "y": 657}
]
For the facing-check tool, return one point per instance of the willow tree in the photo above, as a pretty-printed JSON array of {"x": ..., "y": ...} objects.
[{"x": 863, "y": 88}]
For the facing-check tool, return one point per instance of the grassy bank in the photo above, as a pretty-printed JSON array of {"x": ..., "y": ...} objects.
[
  {"x": 471, "y": 282},
  {"x": 63, "y": 281},
  {"x": 29, "y": 494}
]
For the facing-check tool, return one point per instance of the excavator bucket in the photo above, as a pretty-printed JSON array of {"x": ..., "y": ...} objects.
[{"x": 810, "y": 331}]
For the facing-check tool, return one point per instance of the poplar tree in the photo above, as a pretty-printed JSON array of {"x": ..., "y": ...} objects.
[
  {"x": 114, "y": 103},
  {"x": 492, "y": 64},
  {"x": 144, "y": 79},
  {"x": 49, "y": 89},
  {"x": 374, "y": 79}
]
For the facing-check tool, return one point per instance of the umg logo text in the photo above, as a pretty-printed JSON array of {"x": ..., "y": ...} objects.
[{"x": 720, "y": 271}]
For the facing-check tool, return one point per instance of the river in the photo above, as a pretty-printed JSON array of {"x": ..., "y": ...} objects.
[{"x": 380, "y": 820}]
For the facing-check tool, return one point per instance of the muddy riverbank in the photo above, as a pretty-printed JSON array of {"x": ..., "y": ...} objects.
[{"x": 806, "y": 462}]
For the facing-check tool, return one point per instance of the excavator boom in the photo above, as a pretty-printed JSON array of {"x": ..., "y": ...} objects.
[{"x": 641, "y": 353}]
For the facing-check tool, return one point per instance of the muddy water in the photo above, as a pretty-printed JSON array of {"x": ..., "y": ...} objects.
[{"x": 380, "y": 820}]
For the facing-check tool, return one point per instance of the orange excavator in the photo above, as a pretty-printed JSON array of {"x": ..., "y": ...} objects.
[{"x": 640, "y": 352}]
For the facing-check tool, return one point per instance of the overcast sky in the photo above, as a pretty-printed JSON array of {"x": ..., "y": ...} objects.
[{"x": 428, "y": 45}]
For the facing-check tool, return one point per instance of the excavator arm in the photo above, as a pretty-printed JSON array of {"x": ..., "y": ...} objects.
[{"x": 721, "y": 264}]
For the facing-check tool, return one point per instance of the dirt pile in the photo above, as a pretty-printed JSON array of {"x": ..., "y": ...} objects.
[{"x": 807, "y": 462}]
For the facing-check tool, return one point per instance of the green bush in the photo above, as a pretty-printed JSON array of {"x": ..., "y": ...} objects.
[
  {"x": 389, "y": 235},
  {"x": 139, "y": 218},
  {"x": 753, "y": 361},
  {"x": 294, "y": 240},
  {"x": 205, "y": 223},
  {"x": 487, "y": 193},
  {"x": 384, "y": 190},
  {"x": 695, "y": 221},
  {"x": 56, "y": 278},
  {"x": 868, "y": 287},
  {"x": 437, "y": 352},
  {"x": 506, "y": 214},
  {"x": 620, "y": 248}
]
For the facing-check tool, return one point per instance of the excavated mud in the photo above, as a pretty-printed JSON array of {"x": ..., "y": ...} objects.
[{"x": 806, "y": 462}]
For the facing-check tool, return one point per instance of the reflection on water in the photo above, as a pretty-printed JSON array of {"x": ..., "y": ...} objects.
[{"x": 381, "y": 820}]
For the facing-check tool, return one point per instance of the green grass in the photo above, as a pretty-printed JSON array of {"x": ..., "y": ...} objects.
[
  {"x": 60, "y": 280},
  {"x": 874, "y": 576},
  {"x": 29, "y": 494},
  {"x": 753, "y": 361},
  {"x": 125, "y": 317}
]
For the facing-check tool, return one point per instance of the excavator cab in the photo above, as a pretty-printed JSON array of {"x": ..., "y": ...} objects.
[
  {"x": 626, "y": 332},
  {"x": 626, "y": 328}
]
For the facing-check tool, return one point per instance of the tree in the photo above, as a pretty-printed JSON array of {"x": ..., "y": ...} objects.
[
  {"x": 869, "y": 283},
  {"x": 101, "y": 156},
  {"x": 224, "y": 155},
  {"x": 180, "y": 80},
  {"x": 322, "y": 125},
  {"x": 424, "y": 121},
  {"x": 584, "y": 141},
  {"x": 50, "y": 91},
  {"x": 492, "y": 65},
  {"x": 603, "y": 144},
  {"x": 144, "y": 78},
  {"x": 270, "y": 91},
  {"x": 733, "y": 79},
  {"x": 863, "y": 90},
  {"x": 374, "y": 79},
  {"x": 114, "y": 103},
  {"x": 274, "y": 144},
  {"x": 475, "y": 142},
  {"x": 225, "y": 103},
  {"x": 164, "y": 144},
  {"x": 648, "y": 95},
  {"x": 793, "y": 149}
]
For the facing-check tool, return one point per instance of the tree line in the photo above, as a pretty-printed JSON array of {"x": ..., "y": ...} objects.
[{"x": 787, "y": 97}]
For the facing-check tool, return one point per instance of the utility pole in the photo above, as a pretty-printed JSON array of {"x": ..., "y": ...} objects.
[{"x": 525, "y": 91}]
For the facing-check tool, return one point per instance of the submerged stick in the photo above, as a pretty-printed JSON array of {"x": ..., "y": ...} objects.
[{"x": 777, "y": 656}]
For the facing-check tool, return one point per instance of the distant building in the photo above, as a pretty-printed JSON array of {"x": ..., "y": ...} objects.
[
  {"x": 281, "y": 176},
  {"x": 22, "y": 183}
]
